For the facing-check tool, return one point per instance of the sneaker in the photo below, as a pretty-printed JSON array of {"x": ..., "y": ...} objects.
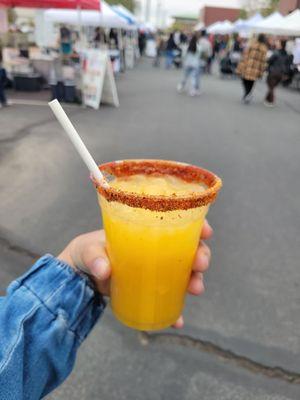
[
  {"x": 195, "y": 92},
  {"x": 268, "y": 104},
  {"x": 7, "y": 104},
  {"x": 247, "y": 99},
  {"x": 180, "y": 88}
]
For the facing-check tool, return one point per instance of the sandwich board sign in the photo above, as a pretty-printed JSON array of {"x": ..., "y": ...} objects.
[{"x": 98, "y": 80}]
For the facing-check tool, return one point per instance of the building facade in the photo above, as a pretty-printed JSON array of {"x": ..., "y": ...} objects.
[
  {"x": 209, "y": 15},
  {"x": 287, "y": 6}
]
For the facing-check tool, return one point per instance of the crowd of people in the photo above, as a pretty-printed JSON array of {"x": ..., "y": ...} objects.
[
  {"x": 250, "y": 59},
  {"x": 256, "y": 60}
]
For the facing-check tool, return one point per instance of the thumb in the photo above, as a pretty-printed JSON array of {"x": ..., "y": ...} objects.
[
  {"x": 100, "y": 268},
  {"x": 96, "y": 263}
]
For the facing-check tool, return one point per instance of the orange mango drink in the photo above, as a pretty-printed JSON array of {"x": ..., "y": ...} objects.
[{"x": 153, "y": 213}]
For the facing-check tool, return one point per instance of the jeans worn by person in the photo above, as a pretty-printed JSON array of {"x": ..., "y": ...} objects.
[
  {"x": 192, "y": 69},
  {"x": 169, "y": 58},
  {"x": 3, "y": 78},
  {"x": 45, "y": 316},
  {"x": 194, "y": 73},
  {"x": 3, "y": 100}
]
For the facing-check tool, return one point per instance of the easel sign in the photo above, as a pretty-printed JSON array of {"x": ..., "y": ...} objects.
[{"x": 98, "y": 81}]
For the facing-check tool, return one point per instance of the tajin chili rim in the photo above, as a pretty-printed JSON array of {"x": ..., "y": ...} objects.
[{"x": 186, "y": 172}]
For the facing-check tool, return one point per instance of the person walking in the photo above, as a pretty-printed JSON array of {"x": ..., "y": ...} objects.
[
  {"x": 192, "y": 67},
  {"x": 296, "y": 53},
  {"x": 3, "y": 79},
  {"x": 171, "y": 47},
  {"x": 206, "y": 51},
  {"x": 160, "y": 46},
  {"x": 279, "y": 66},
  {"x": 252, "y": 65}
]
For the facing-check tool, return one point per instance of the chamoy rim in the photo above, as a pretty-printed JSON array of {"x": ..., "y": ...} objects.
[{"x": 186, "y": 172}]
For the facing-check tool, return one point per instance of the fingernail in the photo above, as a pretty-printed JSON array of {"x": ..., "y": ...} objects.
[
  {"x": 210, "y": 229},
  {"x": 99, "y": 267}
]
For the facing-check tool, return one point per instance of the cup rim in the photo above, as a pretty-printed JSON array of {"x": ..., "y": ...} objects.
[{"x": 187, "y": 172}]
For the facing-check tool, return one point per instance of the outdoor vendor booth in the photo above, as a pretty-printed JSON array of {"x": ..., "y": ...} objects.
[
  {"x": 63, "y": 54},
  {"x": 31, "y": 72},
  {"x": 108, "y": 18}
]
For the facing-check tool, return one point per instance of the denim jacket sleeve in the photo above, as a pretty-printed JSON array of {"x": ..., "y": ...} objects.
[{"x": 44, "y": 318}]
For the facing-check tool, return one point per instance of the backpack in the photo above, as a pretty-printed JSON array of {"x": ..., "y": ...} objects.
[{"x": 279, "y": 63}]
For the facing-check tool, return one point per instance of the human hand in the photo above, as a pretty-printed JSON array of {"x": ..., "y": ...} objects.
[{"x": 87, "y": 252}]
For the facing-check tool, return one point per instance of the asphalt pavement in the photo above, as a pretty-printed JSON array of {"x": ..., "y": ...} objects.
[{"x": 241, "y": 338}]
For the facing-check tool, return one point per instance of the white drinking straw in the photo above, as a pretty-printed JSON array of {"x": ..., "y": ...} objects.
[{"x": 77, "y": 142}]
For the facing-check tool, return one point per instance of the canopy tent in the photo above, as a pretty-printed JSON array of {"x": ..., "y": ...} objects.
[
  {"x": 213, "y": 26},
  {"x": 239, "y": 23},
  {"x": 65, "y": 4},
  {"x": 124, "y": 13},
  {"x": 290, "y": 25},
  {"x": 252, "y": 21},
  {"x": 244, "y": 26},
  {"x": 107, "y": 18},
  {"x": 147, "y": 26},
  {"x": 199, "y": 26},
  {"x": 270, "y": 24},
  {"x": 221, "y": 28}
]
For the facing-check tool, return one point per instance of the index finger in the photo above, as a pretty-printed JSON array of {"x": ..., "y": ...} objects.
[{"x": 207, "y": 231}]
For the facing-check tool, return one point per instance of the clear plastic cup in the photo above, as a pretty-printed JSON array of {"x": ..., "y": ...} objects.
[{"x": 152, "y": 241}]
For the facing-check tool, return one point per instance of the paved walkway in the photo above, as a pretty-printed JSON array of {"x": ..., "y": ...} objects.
[{"x": 241, "y": 339}]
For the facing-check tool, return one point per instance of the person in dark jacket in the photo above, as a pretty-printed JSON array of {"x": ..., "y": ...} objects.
[
  {"x": 171, "y": 47},
  {"x": 3, "y": 79},
  {"x": 279, "y": 66},
  {"x": 142, "y": 41}
]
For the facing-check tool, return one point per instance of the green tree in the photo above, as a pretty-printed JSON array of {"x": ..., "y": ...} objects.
[
  {"x": 273, "y": 6},
  {"x": 243, "y": 14},
  {"x": 130, "y": 4}
]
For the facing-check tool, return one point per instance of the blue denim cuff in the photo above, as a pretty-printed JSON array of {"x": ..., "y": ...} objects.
[{"x": 68, "y": 295}]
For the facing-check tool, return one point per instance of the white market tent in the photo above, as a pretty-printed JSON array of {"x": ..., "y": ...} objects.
[
  {"x": 147, "y": 26},
  {"x": 212, "y": 26},
  {"x": 199, "y": 26},
  {"x": 252, "y": 21},
  {"x": 290, "y": 25},
  {"x": 107, "y": 18},
  {"x": 239, "y": 23},
  {"x": 221, "y": 28},
  {"x": 245, "y": 25},
  {"x": 123, "y": 11},
  {"x": 270, "y": 24}
]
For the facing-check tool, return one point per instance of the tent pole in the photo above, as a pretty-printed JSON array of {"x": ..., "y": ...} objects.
[
  {"x": 79, "y": 15},
  {"x": 121, "y": 49}
]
